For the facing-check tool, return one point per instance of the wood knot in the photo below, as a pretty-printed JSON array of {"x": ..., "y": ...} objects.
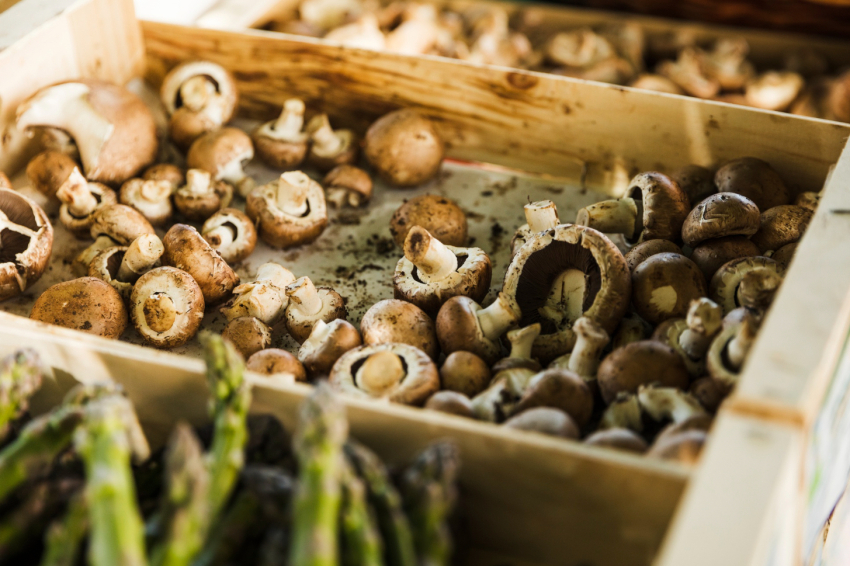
[{"x": 522, "y": 81}]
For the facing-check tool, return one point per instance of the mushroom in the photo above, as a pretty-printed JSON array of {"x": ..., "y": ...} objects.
[
  {"x": 774, "y": 90},
  {"x": 417, "y": 34},
  {"x": 838, "y": 98},
  {"x": 185, "y": 249},
  {"x": 670, "y": 404},
  {"x": 282, "y": 143},
  {"x": 654, "y": 207},
  {"x": 326, "y": 344},
  {"x": 710, "y": 392},
  {"x": 151, "y": 198},
  {"x": 591, "y": 339},
  {"x": 442, "y": 217},
  {"x": 664, "y": 285},
  {"x": 695, "y": 181},
  {"x": 727, "y": 63},
  {"x": 308, "y": 305},
  {"x": 263, "y": 298},
  {"x": 499, "y": 400},
  {"x": 394, "y": 321},
  {"x": 784, "y": 255},
  {"x": 112, "y": 128},
  {"x": 248, "y": 335},
  {"x": 172, "y": 174},
  {"x": 545, "y": 420},
  {"x": 754, "y": 179},
  {"x": 781, "y": 225},
  {"x": 522, "y": 341},
  {"x": 808, "y": 200},
  {"x": 289, "y": 212},
  {"x": 580, "y": 48},
  {"x": 463, "y": 325},
  {"x": 726, "y": 282},
  {"x": 631, "y": 329},
  {"x": 199, "y": 97},
  {"x": 121, "y": 266},
  {"x": 347, "y": 186},
  {"x": 450, "y": 402},
  {"x": 329, "y": 147},
  {"x": 618, "y": 439},
  {"x": 113, "y": 225},
  {"x": 615, "y": 70},
  {"x": 26, "y": 242},
  {"x": 646, "y": 249},
  {"x": 688, "y": 71},
  {"x": 278, "y": 364},
  {"x": 47, "y": 171},
  {"x": 729, "y": 350},
  {"x": 80, "y": 200},
  {"x": 231, "y": 233},
  {"x": 404, "y": 148},
  {"x": 562, "y": 274},
  {"x": 684, "y": 448},
  {"x": 431, "y": 273},
  {"x": 624, "y": 412},
  {"x": 363, "y": 33},
  {"x": 640, "y": 363},
  {"x": 560, "y": 389},
  {"x": 710, "y": 255},
  {"x": 539, "y": 216},
  {"x": 201, "y": 197},
  {"x": 718, "y": 216},
  {"x": 328, "y": 14},
  {"x": 465, "y": 373},
  {"x": 167, "y": 307},
  {"x": 398, "y": 373},
  {"x": 86, "y": 304},
  {"x": 656, "y": 83},
  {"x": 692, "y": 336},
  {"x": 223, "y": 154}
]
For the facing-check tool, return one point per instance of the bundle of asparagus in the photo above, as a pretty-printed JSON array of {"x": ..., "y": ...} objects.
[{"x": 79, "y": 486}]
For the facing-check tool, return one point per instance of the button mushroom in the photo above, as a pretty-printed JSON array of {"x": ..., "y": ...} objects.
[
  {"x": 710, "y": 392},
  {"x": 754, "y": 179},
  {"x": 781, "y": 225},
  {"x": 726, "y": 282},
  {"x": 278, "y": 364},
  {"x": 326, "y": 344},
  {"x": 463, "y": 325},
  {"x": 289, "y": 212},
  {"x": 151, "y": 198},
  {"x": 112, "y": 128},
  {"x": 167, "y": 172},
  {"x": 201, "y": 197},
  {"x": 185, "y": 249},
  {"x": 80, "y": 200},
  {"x": 580, "y": 48},
  {"x": 113, "y": 225},
  {"x": 231, "y": 233},
  {"x": 669, "y": 404},
  {"x": 48, "y": 170},
  {"x": 692, "y": 336},
  {"x": 664, "y": 285},
  {"x": 808, "y": 200},
  {"x": 709, "y": 256},
  {"x": 26, "y": 242},
  {"x": 442, "y": 217},
  {"x": 404, "y": 148},
  {"x": 167, "y": 307},
  {"x": 539, "y": 216},
  {"x": 499, "y": 400},
  {"x": 121, "y": 266},
  {"x": 347, "y": 186},
  {"x": 450, "y": 402},
  {"x": 560, "y": 389},
  {"x": 618, "y": 439},
  {"x": 330, "y": 147},
  {"x": 282, "y": 143},
  {"x": 395, "y": 321},
  {"x": 248, "y": 335},
  {"x": 583, "y": 361},
  {"x": 784, "y": 255},
  {"x": 624, "y": 412},
  {"x": 545, "y": 420},
  {"x": 631, "y": 329},
  {"x": 683, "y": 448},
  {"x": 645, "y": 250},
  {"x": 223, "y": 154},
  {"x": 695, "y": 181},
  {"x": 640, "y": 363},
  {"x": 727, "y": 63},
  {"x": 86, "y": 304},
  {"x": 263, "y": 298},
  {"x": 308, "y": 305},
  {"x": 465, "y": 373},
  {"x": 718, "y": 216}
]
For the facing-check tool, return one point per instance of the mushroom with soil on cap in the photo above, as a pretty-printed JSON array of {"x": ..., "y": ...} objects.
[
  {"x": 462, "y": 324},
  {"x": 451, "y": 402},
  {"x": 710, "y": 255},
  {"x": 231, "y": 233},
  {"x": 202, "y": 197},
  {"x": 522, "y": 341},
  {"x": 288, "y": 212},
  {"x": 223, "y": 154},
  {"x": 167, "y": 307},
  {"x": 539, "y": 216},
  {"x": 780, "y": 226},
  {"x": 442, "y": 217},
  {"x": 754, "y": 179},
  {"x": 172, "y": 174},
  {"x": 151, "y": 198},
  {"x": 774, "y": 90},
  {"x": 763, "y": 277},
  {"x": 696, "y": 182},
  {"x": 199, "y": 97},
  {"x": 248, "y": 335},
  {"x": 560, "y": 389},
  {"x": 619, "y": 439},
  {"x": 185, "y": 249},
  {"x": 465, "y": 373},
  {"x": 545, "y": 420},
  {"x": 398, "y": 373},
  {"x": 80, "y": 200},
  {"x": 112, "y": 128},
  {"x": 326, "y": 344},
  {"x": 263, "y": 298},
  {"x": 308, "y": 305},
  {"x": 654, "y": 207},
  {"x": 691, "y": 336},
  {"x": 26, "y": 242},
  {"x": 394, "y": 321},
  {"x": 646, "y": 249},
  {"x": 718, "y": 216},
  {"x": 640, "y": 363},
  {"x": 282, "y": 143},
  {"x": 347, "y": 186},
  {"x": 278, "y": 364},
  {"x": 48, "y": 170},
  {"x": 728, "y": 351},
  {"x": 86, "y": 304},
  {"x": 404, "y": 148},
  {"x": 121, "y": 266},
  {"x": 329, "y": 147},
  {"x": 664, "y": 285},
  {"x": 112, "y": 225}
]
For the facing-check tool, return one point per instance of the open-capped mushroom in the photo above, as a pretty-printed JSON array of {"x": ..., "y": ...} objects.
[
  {"x": 86, "y": 304},
  {"x": 669, "y": 404},
  {"x": 112, "y": 128},
  {"x": 656, "y": 83},
  {"x": 201, "y": 197},
  {"x": 26, "y": 242},
  {"x": 231, "y": 233},
  {"x": 545, "y": 420},
  {"x": 664, "y": 285},
  {"x": 113, "y": 225},
  {"x": 185, "y": 249},
  {"x": 121, "y": 266},
  {"x": 688, "y": 71},
  {"x": 451, "y": 402},
  {"x": 308, "y": 305},
  {"x": 560, "y": 389},
  {"x": 774, "y": 90},
  {"x": 80, "y": 200},
  {"x": 326, "y": 344},
  {"x": 648, "y": 248},
  {"x": 282, "y": 143},
  {"x": 167, "y": 307},
  {"x": 465, "y": 373},
  {"x": 640, "y": 363},
  {"x": 288, "y": 212},
  {"x": 278, "y": 364},
  {"x": 223, "y": 154},
  {"x": 151, "y": 198},
  {"x": 404, "y": 148},
  {"x": 695, "y": 181},
  {"x": 347, "y": 186},
  {"x": 654, "y": 207},
  {"x": 394, "y": 321},
  {"x": 399, "y": 373},
  {"x": 462, "y": 324},
  {"x": 754, "y": 179},
  {"x": 757, "y": 290},
  {"x": 781, "y": 225},
  {"x": 725, "y": 284},
  {"x": 522, "y": 341},
  {"x": 263, "y": 298},
  {"x": 48, "y": 170},
  {"x": 729, "y": 350},
  {"x": 539, "y": 216},
  {"x": 199, "y": 97},
  {"x": 718, "y": 216},
  {"x": 172, "y": 174},
  {"x": 248, "y": 335},
  {"x": 442, "y": 217},
  {"x": 710, "y": 255},
  {"x": 329, "y": 147},
  {"x": 692, "y": 336}
]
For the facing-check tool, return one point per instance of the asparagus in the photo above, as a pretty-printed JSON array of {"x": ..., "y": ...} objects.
[
  {"x": 386, "y": 501},
  {"x": 318, "y": 446},
  {"x": 20, "y": 377},
  {"x": 361, "y": 543},
  {"x": 65, "y": 536}
]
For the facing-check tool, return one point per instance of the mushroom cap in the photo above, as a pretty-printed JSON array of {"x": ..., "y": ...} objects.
[
  {"x": 273, "y": 361},
  {"x": 120, "y": 222},
  {"x": 724, "y": 284},
  {"x": 185, "y": 249},
  {"x": 458, "y": 329},
  {"x": 640, "y": 363},
  {"x": 26, "y": 242},
  {"x": 545, "y": 420},
  {"x": 754, "y": 179},
  {"x": 322, "y": 349},
  {"x": 710, "y": 392},
  {"x": 664, "y": 285},
  {"x": 281, "y": 230},
  {"x": 784, "y": 255},
  {"x": 647, "y": 249},
  {"x": 710, "y": 255},
  {"x": 134, "y": 192},
  {"x": 346, "y": 153},
  {"x": 279, "y": 153},
  {"x": 664, "y": 206},
  {"x": 300, "y": 327},
  {"x": 173, "y": 174},
  {"x": 188, "y": 301},
  {"x": 81, "y": 226},
  {"x": 451, "y": 402},
  {"x": 48, "y": 170},
  {"x": 248, "y": 335},
  {"x": 695, "y": 181},
  {"x": 442, "y": 217},
  {"x": 86, "y": 304},
  {"x": 405, "y": 148},
  {"x": 199, "y": 206},
  {"x": 350, "y": 178},
  {"x": 618, "y": 438},
  {"x": 419, "y": 382},
  {"x": 244, "y": 238},
  {"x": 215, "y": 150},
  {"x": 400, "y": 322},
  {"x": 562, "y": 389},
  {"x": 781, "y": 225},
  {"x": 669, "y": 332},
  {"x": 465, "y": 373},
  {"x": 105, "y": 267},
  {"x": 684, "y": 448},
  {"x": 718, "y": 216}
]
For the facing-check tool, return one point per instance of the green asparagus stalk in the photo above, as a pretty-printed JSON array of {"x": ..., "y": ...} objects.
[
  {"x": 318, "y": 444},
  {"x": 65, "y": 536},
  {"x": 20, "y": 377},
  {"x": 386, "y": 501},
  {"x": 361, "y": 542}
]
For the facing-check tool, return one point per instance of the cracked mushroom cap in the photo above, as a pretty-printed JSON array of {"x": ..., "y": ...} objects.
[
  {"x": 754, "y": 179},
  {"x": 248, "y": 335},
  {"x": 395, "y": 321},
  {"x": 185, "y": 249},
  {"x": 347, "y": 185},
  {"x": 619, "y": 439},
  {"x": 559, "y": 388},
  {"x": 26, "y": 242},
  {"x": 780, "y": 226},
  {"x": 465, "y": 373},
  {"x": 231, "y": 233},
  {"x": 167, "y": 307},
  {"x": 563, "y": 274},
  {"x": 646, "y": 249},
  {"x": 726, "y": 282},
  {"x": 326, "y": 344},
  {"x": 695, "y": 181},
  {"x": 664, "y": 285},
  {"x": 48, "y": 170},
  {"x": 712, "y": 254},
  {"x": 719, "y": 216},
  {"x": 640, "y": 363},
  {"x": 399, "y": 373},
  {"x": 442, "y": 217},
  {"x": 86, "y": 304},
  {"x": 220, "y": 151},
  {"x": 151, "y": 198},
  {"x": 113, "y": 129},
  {"x": 280, "y": 228},
  {"x": 404, "y": 148},
  {"x": 274, "y": 362}
]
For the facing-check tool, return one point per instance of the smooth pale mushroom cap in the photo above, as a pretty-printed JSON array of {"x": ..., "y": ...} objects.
[
  {"x": 172, "y": 174},
  {"x": 26, "y": 243},
  {"x": 86, "y": 304},
  {"x": 167, "y": 307},
  {"x": 725, "y": 282},
  {"x": 151, "y": 198},
  {"x": 559, "y": 389},
  {"x": 347, "y": 185},
  {"x": 780, "y": 226},
  {"x": 273, "y": 361},
  {"x": 451, "y": 402},
  {"x": 647, "y": 249},
  {"x": 326, "y": 344},
  {"x": 712, "y": 254},
  {"x": 695, "y": 181},
  {"x": 664, "y": 285},
  {"x": 231, "y": 233},
  {"x": 754, "y": 179},
  {"x": 220, "y": 151},
  {"x": 684, "y": 448},
  {"x": 279, "y": 229},
  {"x": 248, "y": 335},
  {"x": 395, "y": 321},
  {"x": 640, "y": 363},
  {"x": 718, "y": 216},
  {"x": 185, "y": 249},
  {"x": 465, "y": 373},
  {"x": 442, "y": 217},
  {"x": 545, "y": 420},
  {"x": 48, "y": 170},
  {"x": 404, "y": 148},
  {"x": 619, "y": 439}
]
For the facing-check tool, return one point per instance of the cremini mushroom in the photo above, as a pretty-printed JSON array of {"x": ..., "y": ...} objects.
[
  {"x": 168, "y": 172},
  {"x": 121, "y": 266},
  {"x": 631, "y": 329},
  {"x": 808, "y": 200},
  {"x": 648, "y": 248},
  {"x": 231, "y": 233},
  {"x": 560, "y": 389},
  {"x": 725, "y": 287},
  {"x": 619, "y": 439},
  {"x": 670, "y": 404},
  {"x": 112, "y": 128},
  {"x": 780, "y": 226},
  {"x": 80, "y": 200},
  {"x": 288, "y": 212},
  {"x": 248, "y": 335},
  {"x": 451, "y": 402},
  {"x": 199, "y": 97},
  {"x": 167, "y": 307},
  {"x": 201, "y": 197},
  {"x": 442, "y": 217},
  {"x": 784, "y": 255},
  {"x": 326, "y": 344},
  {"x": 710, "y": 255},
  {"x": 710, "y": 392},
  {"x": 754, "y": 179},
  {"x": 329, "y": 147},
  {"x": 683, "y": 448},
  {"x": 185, "y": 249},
  {"x": 718, "y": 216},
  {"x": 465, "y": 373},
  {"x": 395, "y": 321},
  {"x": 26, "y": 242},
  {"x": 539, "y": 216},
  {"x": 688, "y": 71},
  {"x": 48, "y": 170},
  {"x": 584, "y": 359},
  {"x": 151, "y": 198},
  {"x": 545, "y": 420},
  {"x": 499, "y": 400},
  {"x": 263, "y": 298},
  {"x": 278, "y": 364},
  {"x": 308, "y": 305},
  {"x": 86, "y": 304},
  {"x": 695, "y": 181},
  {"x": 463, "y": 325},
  {"x": 522, "y": 341},
  {"x": 282, "y": 143},
  {"x": 347, "y": 186},
  {"x": 640, "y": 363},
  {"x": 664, "y": 285},
  {"x": 399, "y": 373},
  {"x": 580, "y": 48},
  {"x": 404, "y": 148},
  {"x": 656, "y": 83},
  {"x": 113, "y": 225},
  {"x": 691, "y": 336},
  {"x": 223, "y": 154},
  {"x": 774, "y": 90},
  {"x": 729, "y": 349}
]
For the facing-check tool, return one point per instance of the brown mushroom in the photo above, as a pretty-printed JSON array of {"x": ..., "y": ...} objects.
[
  {"x": 276, "y": 363},
  {"x": 282, "y": 143},
  {"x": 559, "y": 389},
  {"x": 326, "y": 344},
  {"x": 185, "y": 249},
  {"x": 580, "y": 48},
  {"x": 619, "y": 439},
  {"x": 288, "y": 212},
  {"x": 463, "y": 325},
  {"x": 728, "y": 351},
  {"x": 808, "y": 200},
  {"x": 329, "y": 147},
  {"x": 347, "y": 186},
  {"x": 522, "y": 342},
  {"x": 86, "y": 304},
  {"x": 640, "y": 363},
  {"x": 80, "y": 200},
  {"x": 710, "y": 392},
  {"x": 113, "y": 225},
  {"x": 223, "y": 154},
  {"x": 395, "y": 321},
  {"x": 695, "y": 181},
  {"x": 688, "y": 71},
  {"x": 263, "y": 298},
  {"x": 465, "y": 373},
  {"x": 646, "y": 249},
  {"x": 539, "y": 216},
  {"x": 48, "y": 170},
  {"x": 404, "y": 148},
  {"x": 167, "y": 307},
  {"x": 774, "y": 90},
  {"x": 151, "y": 198},
  {"x": 499, "y": 400},
  {"x": 754, "y": 179},
  {"x": 545, "y": 420},
  {"x": 308, "y": 305},
  {"x": 727, "y": 63},
  {"x": 683, "y": 448},
  {"x": 248, "y": 335},
  {"x": 201, "y": 197},
  {"x": 781, "y": 225},
  {"x": 670, "y": 404},
  {"x": 624, "y": 412},
  {"x": 26, "y": 242},
  {"x": 725, "y": 287},
  {"x": 450, "y": 402},
  {"x": 718, "y": 216},
  {"x": 167, "y": 172},
  {"x": 710, "y": 255},
  {"x": 231, "y": 233},
  {"x": 692, "y": 336},
  {"x": 784, "y": 255},
  {"x": 631, "y": 329},
  {"x": 121, "y": 266},
  {"x": 442, "y": 217},
  {"x": 664, "y": 285}
]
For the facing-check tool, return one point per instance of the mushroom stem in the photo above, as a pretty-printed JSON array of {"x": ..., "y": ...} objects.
[
  {"x": 320, "y": 332},
  {"x": 432, "y": 258},
  {"x": 623, "y": 412},
  {"x": 234, "y": 174},
  {"x": 87, "y": 255},
  {"x": 198, "y": 182},
  {"x": 291, "y": 120},
  {"x": 338, "y": 197},
  {"x": 662, "y": 403},
  {"x": 739, "y": 346},
  {"x": 522, "y": 339},
  {"x": 220, "y": 237},
  {"x": 590, "y": 340},
  {"x": 541, "y": 215},
  {"x": 196, "y": 92},
  {"x": 155, "y": 191},
  {"x": 75, "y": 193},
  {"x": 291, "y": 194},
  {"x": 631, "y": 329},
  {"x": 381, "y": 371},
  {"x": 705, "y": 319},
  {"x": 497, "y": 318},
  {"x": 141, "y": 255},
  {"x": 757, "y": 289},
  {"x": 245, "y": 186},
  {"x": 160, "y": 312},
  {"x": 610, "y": 216},
  {"x": 324, "y": 138},
  {"x": 566, "y": 296},
  {"x": 304, "y": 297}
]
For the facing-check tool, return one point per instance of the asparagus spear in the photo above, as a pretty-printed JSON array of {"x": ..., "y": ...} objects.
[
  {"x": 318, "y": 444},
  {"x": 65, "y": 536},
  {"x": 361, "y": 543},
  {"x": 20, "y": 377},
  {"x": 386, "y": 501}
]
